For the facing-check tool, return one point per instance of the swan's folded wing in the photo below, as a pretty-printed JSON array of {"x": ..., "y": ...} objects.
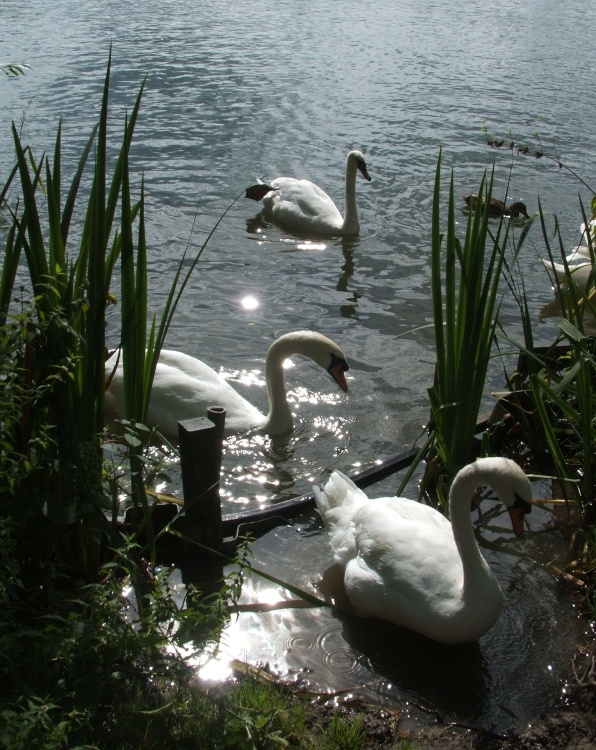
[
  {"x": 338, "y": 501},
  {"x": 192, "y": 366},
  {"x": 314, "y": 202},
  {"x": 177, "y": 395},
  {"x": 407, "y": 554},
  {"x": 302, "y": 203}
]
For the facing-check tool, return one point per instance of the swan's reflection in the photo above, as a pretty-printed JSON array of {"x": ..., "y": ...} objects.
[
  {"x": 556, "y": 309},
  {"x": 347, "y": 269},
  {"x": 348, "y": 245},
  {"x": 454, "y": 678}
]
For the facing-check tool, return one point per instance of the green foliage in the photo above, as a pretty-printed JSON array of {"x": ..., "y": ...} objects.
[
  {"x": 12, "y": 70},
  {"x": 258, "y": 717},
  {"x": 77, "y": 670},
  {"x": 343, "y": 734},
  {"x": 554, "y": 398},
  {"x": 36, "y": 488},
  {"x": 58, "y": 352},
  {"x": 465, "y": 278},
  {"x": 588, "y": 564}
]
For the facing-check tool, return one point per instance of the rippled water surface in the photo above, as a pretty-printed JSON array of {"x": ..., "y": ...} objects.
[{"x": 240, "y": 90}]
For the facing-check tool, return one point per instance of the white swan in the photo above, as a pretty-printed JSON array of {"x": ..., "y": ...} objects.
[
  {"x": 406, "y": 563},
  {"x": 579, "y": 260},
  {"x": 300, "y": 204},
  {"x": 184, "y": 387}
]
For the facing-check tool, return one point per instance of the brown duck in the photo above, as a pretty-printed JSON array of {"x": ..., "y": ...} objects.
[{"x": 497, "y": 207}]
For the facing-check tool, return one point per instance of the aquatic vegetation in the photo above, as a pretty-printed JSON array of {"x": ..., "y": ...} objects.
[{"x": 466, "y": 274}]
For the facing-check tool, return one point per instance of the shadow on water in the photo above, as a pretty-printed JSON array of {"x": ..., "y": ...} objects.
[
  {"x": 424, "y": 671},
  {"x": 430, "y": 674}
]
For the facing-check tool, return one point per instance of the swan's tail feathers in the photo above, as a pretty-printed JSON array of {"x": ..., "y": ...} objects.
[
  {"x": 339, "y": 492},
  {"x": 337, "y": 502},
  {"x": 259, "y": 191}
]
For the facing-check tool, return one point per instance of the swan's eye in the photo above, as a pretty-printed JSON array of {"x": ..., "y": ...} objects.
[
  {"x": 336, "y": 370},
  {"x": 338, "y": 363},
  {"x": 522, "y": 504}
]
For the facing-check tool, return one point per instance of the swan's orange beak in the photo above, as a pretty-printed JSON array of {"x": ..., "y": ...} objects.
[
  {"x": 517, "y": 516},
  {"x": 337, "y": 371}
]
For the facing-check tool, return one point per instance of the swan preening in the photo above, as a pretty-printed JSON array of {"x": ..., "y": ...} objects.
[
  {"x": 405, "y": 562},
  {"x": 302, "y": 205},
  {"x": 497, "y": 207},
  {"x": 184, "y": 387}
]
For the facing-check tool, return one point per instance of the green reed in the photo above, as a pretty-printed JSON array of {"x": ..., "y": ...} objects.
[
  {"x": 465, "y": 276},
  {"x": 556, "y": 395},
  {"x": 65, "y": 338}
]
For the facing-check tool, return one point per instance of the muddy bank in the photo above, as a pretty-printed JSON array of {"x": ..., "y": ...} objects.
[{"x": 570, "y": 728}]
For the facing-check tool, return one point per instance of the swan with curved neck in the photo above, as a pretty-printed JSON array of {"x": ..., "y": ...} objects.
[
  {"x": 405, "y": 562},
  {"x": 302, "y": 205},
  {"x": 184, "y": 387}
]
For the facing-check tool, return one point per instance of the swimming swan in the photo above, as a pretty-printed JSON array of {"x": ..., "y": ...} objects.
[
  {"x": 406, "y": 563},
  {"x": 497, "y": 207},
  {"x": 300, "y": 204},
  {"x": 184, "y": 387}
]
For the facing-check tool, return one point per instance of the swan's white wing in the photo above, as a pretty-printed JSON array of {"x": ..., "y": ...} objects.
[
  {"x": 581, "y": 252},
  {"x": 412, "y": 510},
  {"x": 338, "y": 502},
  {"x": 182, "y": 390},
  {"x": 177, "y": 395},
  {"x": 404, "y": 570},
  {"x": 192, "y": 366},
  {"x": 302, "y": 204},
  {"x": 580, "y": 271}
]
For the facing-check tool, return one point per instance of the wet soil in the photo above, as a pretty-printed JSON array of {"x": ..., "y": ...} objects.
[{"x": 572, "y": 727}]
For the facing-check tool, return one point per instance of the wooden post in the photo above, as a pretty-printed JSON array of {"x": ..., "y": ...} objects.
[{"x": 200, "y": 457}]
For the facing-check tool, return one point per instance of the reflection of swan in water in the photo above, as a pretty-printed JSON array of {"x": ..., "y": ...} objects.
[
  {"x": 406, "y": 563},
  {"x": 184, "y": 387},
  {"x": 348, "y": 266},
  {"x": 302, "y": 205}
]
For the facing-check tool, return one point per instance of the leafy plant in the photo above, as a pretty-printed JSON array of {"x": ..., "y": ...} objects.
[
  {"x": 66, "y": 334},
  {"x": 465, "y": 278},
  {"x": 343, "y": 734},
  {"x": 12, "y": 70},
  {"x": 554, "y": 399},
  {"x": 77, "y": 670}
]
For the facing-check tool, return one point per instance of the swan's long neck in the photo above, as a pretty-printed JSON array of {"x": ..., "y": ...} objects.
[
  {"x": 351, "y": 224},
  {"x": 279, "y": 419},
  {"x": 476, "y": 571}
]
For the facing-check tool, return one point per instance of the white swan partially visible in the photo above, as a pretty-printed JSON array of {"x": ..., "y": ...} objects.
[
  {"x": 405, "y": 562},
  {"x": 184, "y": 387},
  {"x": 300, "y": 204},
  {"x": 579, "y": 261}
]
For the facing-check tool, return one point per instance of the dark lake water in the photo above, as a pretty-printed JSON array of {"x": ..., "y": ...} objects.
[{"x": 240, "y": 90}]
